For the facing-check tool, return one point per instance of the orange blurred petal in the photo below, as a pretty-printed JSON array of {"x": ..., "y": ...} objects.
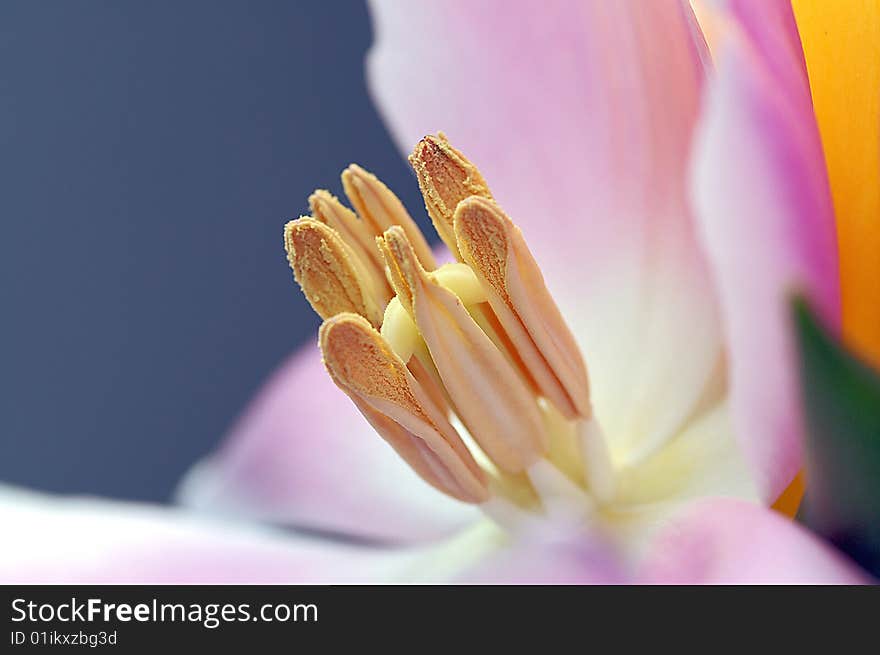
[
  {"x": 841, "y": 42},
  {"x": 790, "y": 500}
]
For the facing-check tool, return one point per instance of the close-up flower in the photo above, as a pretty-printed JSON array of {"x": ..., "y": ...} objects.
[{"x": 639, "y": 346}]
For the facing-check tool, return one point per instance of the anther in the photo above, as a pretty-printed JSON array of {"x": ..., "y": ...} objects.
[
  {"x": 446, "y": 177},
  {"x": 497, "y": 252},
  {"x": 327, "y": 209},
  {"x": 331, "y": 275},
  {"x": 397, "y": 406},
  {"x": 380, "y": 209}
]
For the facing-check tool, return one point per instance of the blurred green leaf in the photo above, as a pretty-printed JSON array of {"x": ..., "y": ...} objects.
[{"x": 841, "y": 396}]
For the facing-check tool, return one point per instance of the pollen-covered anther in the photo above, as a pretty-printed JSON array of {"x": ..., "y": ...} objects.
[
  {"x": 446, "y": 177},
  {"x": 488, "y": 394},
  {"x": 495, "y": 249},
  {"x": 362, "y": 364},
  {"x": 331, "y": 275},
  {"x": 326, "y": 208},
  {"x": 395, "y": 248},
  {"x": 380, "y": 209}
]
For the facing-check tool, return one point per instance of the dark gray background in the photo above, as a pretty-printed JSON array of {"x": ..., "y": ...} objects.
[{"x": 150, "y": 153}]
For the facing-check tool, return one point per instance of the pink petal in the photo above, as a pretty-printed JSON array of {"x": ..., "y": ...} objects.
[
  {"x": 50, "y": 540},
  {"x": 303, "y": 455},
  {"x": 541, "y": 562},
  {"x": 762, "y": 197},
  {"x": 580, "y": 117},
  {"x": 63, "y": 540},
  {"x": 735, "y": 542}
]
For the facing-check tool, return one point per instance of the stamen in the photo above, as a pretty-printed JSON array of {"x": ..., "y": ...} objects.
[
  {"x": 598, "y": 468},
  {"x": 488, "y": 395},
  {"x": 331, "y": 275},
  {"x": 425, "y": 373},
  {"x": 496, "y": 250},
  {"x": 446, "y": 178},
  {"x": 380, "y": 209},
  {"x": 395, "y": 274},
  {"x": 479, "y": 341},
  {"x": 364, "y": 367},
  {"x": 327, "y": 209}
]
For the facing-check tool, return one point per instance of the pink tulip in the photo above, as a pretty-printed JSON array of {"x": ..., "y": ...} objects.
[{"x": 673, "y": 200}]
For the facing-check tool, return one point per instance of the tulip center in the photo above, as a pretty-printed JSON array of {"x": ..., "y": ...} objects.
[{"x": 468, "y": 370}]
